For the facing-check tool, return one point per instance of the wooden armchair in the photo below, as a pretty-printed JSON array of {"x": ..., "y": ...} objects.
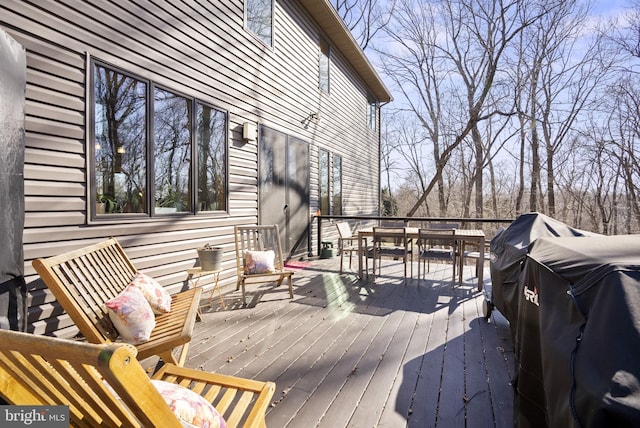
[
  {"x": 104, "y": 385},
  {"x": 84, "y": 279},
  {"x": 259, "y": 257}
]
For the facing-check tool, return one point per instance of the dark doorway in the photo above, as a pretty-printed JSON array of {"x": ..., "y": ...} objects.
[{"x": 283, "y": 188}]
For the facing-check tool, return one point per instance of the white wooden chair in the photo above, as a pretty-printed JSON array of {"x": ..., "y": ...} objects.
[
  {"x": 347, "y": 243},
  {"x": 259, "y": 257}
]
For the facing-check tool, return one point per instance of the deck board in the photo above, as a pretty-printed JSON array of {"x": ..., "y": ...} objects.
[
  {"x": 477, "y": 392},
  {"x": 385, "y": 358},
  {"x": 350, "y": 353}
]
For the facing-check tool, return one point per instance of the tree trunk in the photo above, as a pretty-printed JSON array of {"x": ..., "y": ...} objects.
[
  {"x": 535, "y": 168},
  {"x": 521, "y": 185},
  {"x": 478, "y": 177},
  {"x": 551, "y": 194}
]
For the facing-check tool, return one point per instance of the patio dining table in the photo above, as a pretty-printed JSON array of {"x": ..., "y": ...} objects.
[{"x": 464, "y": 236}]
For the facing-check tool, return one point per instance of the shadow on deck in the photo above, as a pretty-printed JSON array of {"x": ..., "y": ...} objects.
[{"x": 349, "y": 353}]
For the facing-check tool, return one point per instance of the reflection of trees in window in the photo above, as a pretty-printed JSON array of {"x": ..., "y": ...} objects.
[
  {"x": 212, "y": 154},
  {"x": 323, "y": 172},
  {"x": 324, "y": 66},
  {"x": 172, "y": 152},
  {"x": 267, "y": 172},
  {"x": 120, "y": 142},
  {"x": 337, "y": 185},
  {"x": 259, "y": 15},
  {"x": 122, "y": 114}
]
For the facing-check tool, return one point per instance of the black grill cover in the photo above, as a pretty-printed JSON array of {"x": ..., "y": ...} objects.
[
  {"x": 13, "y": 289},
  {"x": 577, "y": 341},
  {"x": 509, "y": 248}
]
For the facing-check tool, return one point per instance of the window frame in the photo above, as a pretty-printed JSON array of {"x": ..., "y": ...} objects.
[
  {"x": 324, "y": 84},
  {"x": 270, "y": 42},
  {"x": 373, "y": 113},
  {"x": 149, "y": 198},
  {"x": 324, "y": 181},
  {"x": 337, "y": 200}
]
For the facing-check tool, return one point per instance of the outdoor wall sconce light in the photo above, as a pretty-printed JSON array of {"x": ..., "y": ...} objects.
[
  {"x": 249, "y": 132},
  {"x": 315, "y": 116}
]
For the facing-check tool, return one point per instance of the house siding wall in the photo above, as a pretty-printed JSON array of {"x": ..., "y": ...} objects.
[{"x": 202, "y": 50}]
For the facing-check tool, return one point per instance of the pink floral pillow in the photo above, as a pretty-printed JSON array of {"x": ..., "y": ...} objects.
[
  {"x": 189, "y": 407},
  {"x": 132, "y": 315},
  {"x": 259, "y": 261},
  {"x": 156, "y": 295}
]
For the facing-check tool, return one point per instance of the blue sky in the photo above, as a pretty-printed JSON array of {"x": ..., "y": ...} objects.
[
  {"x": 610, "y": 8},
  {"x": 606, "y": 6}
]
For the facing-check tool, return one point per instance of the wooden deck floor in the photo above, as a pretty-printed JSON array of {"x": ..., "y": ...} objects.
[{"x": 349, "y": 353}]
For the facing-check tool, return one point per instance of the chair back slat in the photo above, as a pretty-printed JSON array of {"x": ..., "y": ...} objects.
[
  {"x": 394, "y": 236},
  {"x": 428, "y": 238},
  {"x": 443, "y": 226},
  {"x": 344, "y": 230}
]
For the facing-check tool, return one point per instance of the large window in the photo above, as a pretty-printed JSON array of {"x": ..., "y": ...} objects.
[
  {"x": 145, "y": 146},
  {"x": 323, "y": 75},
  {"x": 329, "y": 173},
  {"x": 211, "y": 141},
  {"x": 259, "y": 19},
  {"x": 323, "y": 177},
  {"x": 171, "y": 152},
  {"x": 337, "y": 185},
  {"x": 120, "y": 114}
]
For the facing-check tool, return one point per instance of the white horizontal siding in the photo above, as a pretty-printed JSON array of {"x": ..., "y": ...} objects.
[{"x": 199, "y": 49}]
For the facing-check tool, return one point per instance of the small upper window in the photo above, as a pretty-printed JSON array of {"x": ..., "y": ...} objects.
[
  {"x": 259, "y": 19},
  {"x": 372, "y": 115},
  {"x": 323, "y": 76}
]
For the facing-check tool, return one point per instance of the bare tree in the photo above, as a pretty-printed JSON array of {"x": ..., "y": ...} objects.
[
  {"x": 388, "y": 147},
  {"x": 628, "y": 38},
  {"x": 413, "y": 65},
  {"x": 364, "y": 18},
  {"x": 455, "y": 47},
  {"x": 624, "y": 134},
  {"x": 568, "y": 79}
]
